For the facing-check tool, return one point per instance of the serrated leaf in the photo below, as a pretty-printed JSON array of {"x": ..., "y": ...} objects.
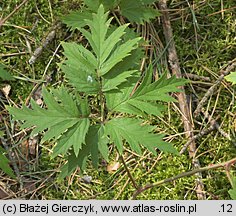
[
  {"x": 147, "y": 79},
  {"x": 144, "y": 98},
  {"x": 119, "y": 54},
  {"x": 159, "y": 90},
  {"x": 135, "y": 134},
  {"x": 76, "y": 19},
  {"x": 67, "y": 100},
  {"x": 4, "y": 165},
  {"x": 80, "y": 67},
  {"x": 231, "y": 77},
  {"x": 4, "y": 74},
  {"x": 138, "y": 11},
  {"x": 139, "y": 107},
  {"x": 111, "y": 41},
  {"x": 116, "y": 97},
  {"x": 108, "y": 51},
  {"x": 113, "y": 83},
  {"x": 70, "y": 166},
  {"x": 62, "y": 117},
  {"x": 94, "y": 4},
  {"x": 75, "y": 137},
  {"x": 151, "y": 108},
  {"x": 96, "y": 142}
]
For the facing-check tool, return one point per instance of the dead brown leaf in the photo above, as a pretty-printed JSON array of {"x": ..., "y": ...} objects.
[{"x": 113, "y": 166}]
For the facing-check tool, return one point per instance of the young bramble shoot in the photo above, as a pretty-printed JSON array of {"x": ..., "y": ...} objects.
[{"x": 107, "y": 71}]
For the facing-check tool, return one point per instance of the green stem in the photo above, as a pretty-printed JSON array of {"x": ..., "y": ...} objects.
[{"x": 102, "y": 105}]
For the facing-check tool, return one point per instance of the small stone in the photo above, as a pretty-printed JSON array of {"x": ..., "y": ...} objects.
[{"x": 87, "y": 179}]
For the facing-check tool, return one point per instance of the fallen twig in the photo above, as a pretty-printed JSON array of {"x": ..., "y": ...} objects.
[
  {"x": 2, "y": 21},
  {"x": 226, "y": 165},
  {"x": 13, "y": 162},
  {"x": 51, "y": 35},
  {"x": 223, "y": 72},
  {"x": 203, "y": 132},
  {"x": 183, "y": 104},
  {"x": 196, "y": 77}
]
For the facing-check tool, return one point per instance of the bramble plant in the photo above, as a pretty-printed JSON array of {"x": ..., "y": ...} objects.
[{"x": 103, "y": 104}]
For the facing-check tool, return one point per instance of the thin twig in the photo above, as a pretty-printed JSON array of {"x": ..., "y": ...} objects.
[
  {"x": 38, "y": 51},
  {"x": 13, "y": 162},
  {"x": 181, "y": 175},
  {"x": 12, "y": 13},
  {"x": 182, "y": 99},
  {"x": 223, "y": 133},
  {"x": 128, "y": 172},
  {"x": 211, "y": 90},
  {"x": 196, "y": 77},
  {"x": 199, "y": 135}
]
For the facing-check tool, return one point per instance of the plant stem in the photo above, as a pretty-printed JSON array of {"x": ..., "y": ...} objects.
[
  {"x": 102, "y": 105},
  {"x": 128, "y": 172},
  {"x": 226, "y": 164}
]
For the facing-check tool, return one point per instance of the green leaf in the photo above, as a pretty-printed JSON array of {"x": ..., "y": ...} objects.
[
  {"x": 108, "y": 51},
  {"x": 135, "y": 134},
  {"x": 74, "y": 137},
  {"x": 96, "y": 141},
  {"x": 138, "y": 11},
  {"x": 114, "y": 83},
  {"x": 125, "y": 69},
  {"x": 143, "y": 101},
  {"x": 231, "y": 77},
  {"x": 119, "y": 54},
  {"x": 232, "y": 192},
  {"x": 76, "y": 19},
  {"x": 111, "y": 41},
  {"x": 151, "y": 108},
  {"x": 94, "y": 4},
  {"x": 79, "y": 68},
  {"x": 62, "y": 117},
  {"x": 70, "y": 166},
  {"x": 147, "y": 79},
  {"x": 4, "y": 74},
  {"x": 115, "y": 98},
  {"x": 4, "y": 165},
  {"x": 159, "y": 90}
]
